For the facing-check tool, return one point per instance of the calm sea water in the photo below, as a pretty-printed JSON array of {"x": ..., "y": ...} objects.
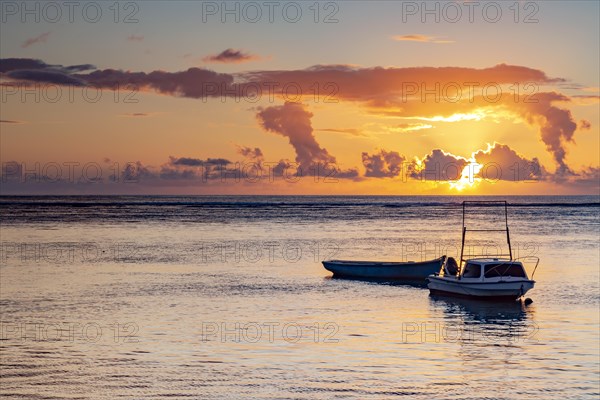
[{"x": 225, "y": 298}]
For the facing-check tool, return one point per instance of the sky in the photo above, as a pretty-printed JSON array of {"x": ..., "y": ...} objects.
[{"x": 332, "y": 97}]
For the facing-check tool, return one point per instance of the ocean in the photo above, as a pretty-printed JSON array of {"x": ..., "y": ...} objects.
[{"x": 225, "y": 297}]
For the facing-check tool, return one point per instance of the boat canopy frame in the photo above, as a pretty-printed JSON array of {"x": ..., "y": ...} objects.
[{"x": 465, "y": 230}]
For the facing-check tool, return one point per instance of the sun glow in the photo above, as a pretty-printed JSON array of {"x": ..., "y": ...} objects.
[
  {"x": 474, "y": 116},
  {"x": 468, "y": 177}
]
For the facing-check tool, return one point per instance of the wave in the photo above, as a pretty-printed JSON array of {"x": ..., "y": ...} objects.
[{"x": 291, "y": 201}]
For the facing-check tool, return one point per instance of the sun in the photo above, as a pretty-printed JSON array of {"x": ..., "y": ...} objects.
[{"x": 468, "y": 177}]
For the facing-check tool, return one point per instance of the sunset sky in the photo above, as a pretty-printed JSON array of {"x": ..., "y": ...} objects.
[{"x": 300, "y": 98}]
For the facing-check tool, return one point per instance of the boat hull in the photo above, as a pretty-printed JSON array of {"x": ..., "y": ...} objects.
[
  {"x": 504, "y": 290},
  {"x": 390, "y": 271}
]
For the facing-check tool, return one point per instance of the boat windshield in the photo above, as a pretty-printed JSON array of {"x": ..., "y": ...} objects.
[
  {"x": 506, "y": 269},
  {"x": 472, "y": 271}
]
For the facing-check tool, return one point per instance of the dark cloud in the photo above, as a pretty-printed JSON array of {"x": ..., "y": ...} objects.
[
  {"x": 585, "y": 124},
  {"x": 15, "y": 64},
  {"x": 293, "y": 120},
  {"x": 194, "y": 82},
  {"x": 374, "y": 86},
  {"x": 439, "y": 166},
  {"x": 46, "y": 76},
  {"x": 337, "y": 173},
  {"x": 78, "y": 68},
  {"x": 230, "y": 56},
  {"x": 385, "y": 164},
  {"x": 189, "y": 162},
  {"x": 29, "y": 70},
  {"x": 503, "y": 163},
  {"x": 196, "y": 162},
  {"x": 557, "y": 126},
  {"x": 589, "y": 176},
  {"x": 252, "y": 153},
  {"x": 380, "y": 85},
  {"x": 381, "y": 90},
  {"x": 37, "y": 39},
  {"x": 134, "y": 172},
  {"x": 11, "y": 64}
]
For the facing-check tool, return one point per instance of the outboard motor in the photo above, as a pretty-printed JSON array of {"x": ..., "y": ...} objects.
[{"x": 451, "y": 267}]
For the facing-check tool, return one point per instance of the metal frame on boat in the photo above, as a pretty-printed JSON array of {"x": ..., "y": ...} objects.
[{"x": 480, "y": 276}]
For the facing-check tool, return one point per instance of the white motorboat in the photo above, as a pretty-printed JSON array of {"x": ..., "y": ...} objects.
[
  {"x": 486, "y": 277},
  {"x": 491, "y": 278}
]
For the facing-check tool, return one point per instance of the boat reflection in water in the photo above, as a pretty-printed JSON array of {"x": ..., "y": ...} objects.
[
  {"x": 476, "y": 310},
  {"x": 496, "y": 323}
]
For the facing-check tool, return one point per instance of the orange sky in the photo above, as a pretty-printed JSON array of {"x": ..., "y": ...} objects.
[{"x": 408, "y": 108}]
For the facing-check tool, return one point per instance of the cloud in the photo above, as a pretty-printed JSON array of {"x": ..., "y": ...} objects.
[
  {"x": 137, "y": 114},
  {"x": 192, "y": 83},
  {"x": 585, "y": 124},
  {"x": 585, "y": 99},
  {"x": 293, "y": 120},
  {"x": 420, "y": 38},
  {"x": 135, "y": 38},
  {"x": 439, "y": 166},
  {"x": 501, "y": 162},
  {"x": 10, "y": 121},
  {"x": 189, "y": 168},
  {"x": 350, "y": 131},
  {"x": 395, "y": 90},
  {"x": 196, "y": 162},
  {"x": 30, "y": 70},
  {"x": 134, "y": 172},
  {"x": 594, "y": 89},
  {"x": 589, "y": 176},
  {"x": 410, "y": 127},
  {"x": 230, "y": 56},
  {"x": 37, "y": 39},
  {"x": 15, "y": 64},
  {"x": 11, "y": 64},
  {"x": 220, "y": 169},
  {"x": 46, "y": 76},
  {"x": 557, "y": 126},
  {"x": 337, "y": 173},
  {"x": 497, "y": 162},
  {"x": 384, "y": 91},
  {"x": 251, "y": 153},
  {"x": 385, "y": 164},
  {"x": 378, "y": 88}
]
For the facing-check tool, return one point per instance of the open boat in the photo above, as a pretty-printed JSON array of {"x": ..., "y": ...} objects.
[
  {"x": 483, "y": 278},
  {"x": 413, "y": 272}
]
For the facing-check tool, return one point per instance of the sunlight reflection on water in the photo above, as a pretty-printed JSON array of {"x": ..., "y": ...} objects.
[{"x": 180, "y": 308}]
